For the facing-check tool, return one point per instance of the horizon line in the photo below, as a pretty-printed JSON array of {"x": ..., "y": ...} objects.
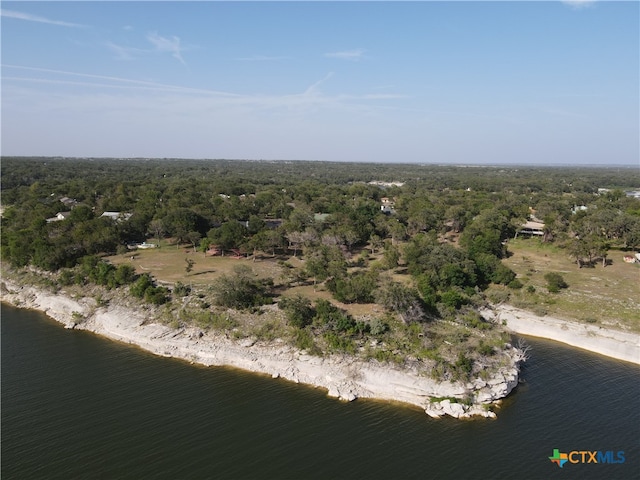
[{"x": 266, "y": 160}]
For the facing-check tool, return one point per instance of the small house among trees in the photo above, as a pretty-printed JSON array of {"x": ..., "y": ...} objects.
[
  {"x": 59, "y": 216},
  {"x": 531, "y": 228},
  {"x": 387, "y": 205},
  {"x": 117, "y": 216}
]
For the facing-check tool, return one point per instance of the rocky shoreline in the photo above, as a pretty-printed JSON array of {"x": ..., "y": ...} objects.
[
  {"x": 611, "y": 343},
  {"x": 343, "y": 377}
]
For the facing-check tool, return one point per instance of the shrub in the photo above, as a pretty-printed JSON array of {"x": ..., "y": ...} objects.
[
  {"x": 156, "y": 295},
  {"x": 327, "y": 313},
  {"x": 357, "y": 288},
  {"x": 474, "y": 320},
  {"x": 144, "y": 287},
  {"x": 303, "y": 339},
  {"x": 140, "y": 285},
  {"x": 377, "y": 326},
  {"x": 453, "y": 299},
  {"x": 221, "y": 321},
  {"x": 181, "y": 290},
  {"x": 298, "y": 309},
  {"x": 463, "y": 366},
  {"x": 503, "y": 275},
  {"x": 555, "y": 282},
  {"x": 515, "y": 284},
  {"x": 268, "y": 331},
  {"x": 384, "y": 356},
  {"x": 344, "y": 324},
  {"x": 66, "y": 277},
  {"x": 484, "y": 349},
  {"x": 339, "y": 343},
  {"x": 124, "y": 274},
  {"x": 406, "y": 302}
]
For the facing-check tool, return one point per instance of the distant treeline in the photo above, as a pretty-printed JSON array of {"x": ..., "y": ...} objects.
[{"x": 24, "y": 171}]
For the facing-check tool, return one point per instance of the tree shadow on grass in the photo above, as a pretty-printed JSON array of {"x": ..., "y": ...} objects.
[{"x": 202, "y": 273}]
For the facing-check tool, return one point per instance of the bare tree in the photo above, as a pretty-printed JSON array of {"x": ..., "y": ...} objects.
[
  {"x": 156, "y": 228},
  {"x": 523, "y": 349}
]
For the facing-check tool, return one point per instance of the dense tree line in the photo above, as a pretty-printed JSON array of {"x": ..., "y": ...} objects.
[{"x": 449, "y": 227}]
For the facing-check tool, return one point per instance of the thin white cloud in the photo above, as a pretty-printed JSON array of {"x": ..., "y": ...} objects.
[
  {"x": 35, "y": 18},
  {"x": 168, "y": 45},
  {"x": 124, "y": 53},
  {"x": 353, "y": 55},
  {"x": 90, "y": 89},
  {"x": 579, "y": 4},
  {"x": 159, "y": 44},
  {"x": 118, "y": 80},
  {"x": 313, "y": 89}
]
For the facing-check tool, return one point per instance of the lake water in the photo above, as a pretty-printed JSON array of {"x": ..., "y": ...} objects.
[{"x": 75, "y": 405}]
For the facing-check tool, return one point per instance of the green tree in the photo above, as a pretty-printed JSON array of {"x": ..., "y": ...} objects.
[
  {"x": 391, "y": 256},
  {"x": 240, "y": 290},
  {"x": 189, "y": 265},
  {"x": 194, "y": 239},
  {"x": 586, "y": 249},
  {"x": 229, "y": 235},
  {"x": 324, "y": 261},
  {"x": 180, "y": 221},
  {"x": 376, "y": 243}
]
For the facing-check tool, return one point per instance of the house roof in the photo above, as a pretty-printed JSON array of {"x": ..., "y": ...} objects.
[
  {"x": 117, "y": 215},
  {"x": 59, "y": 216},
  {"x": 533, "y": 225}
]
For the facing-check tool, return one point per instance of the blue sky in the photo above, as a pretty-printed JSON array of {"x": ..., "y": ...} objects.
[{"x": 429, "y": 82}]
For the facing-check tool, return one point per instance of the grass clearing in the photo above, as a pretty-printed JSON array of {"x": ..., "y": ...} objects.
[
  {"x": 168, "y": 264},
  {"x": 609, "y": 296}
]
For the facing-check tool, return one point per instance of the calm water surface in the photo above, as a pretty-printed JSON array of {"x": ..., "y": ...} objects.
[{"x": 75, "y": 405}]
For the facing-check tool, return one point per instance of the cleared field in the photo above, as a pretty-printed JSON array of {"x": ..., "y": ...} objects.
[
  {"x": 609, "y": 296},
  {"x": 168, "y": 265}
]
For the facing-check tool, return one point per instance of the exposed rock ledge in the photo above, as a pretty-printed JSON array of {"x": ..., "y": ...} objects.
[
  {"x": 611, "y": 343},
  {"x": 344, "y": 377}
]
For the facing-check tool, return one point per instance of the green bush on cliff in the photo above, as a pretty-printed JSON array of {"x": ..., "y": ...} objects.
[
  {"x": 144, "y": 287},
  {"x": 299, "y": 311}
]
